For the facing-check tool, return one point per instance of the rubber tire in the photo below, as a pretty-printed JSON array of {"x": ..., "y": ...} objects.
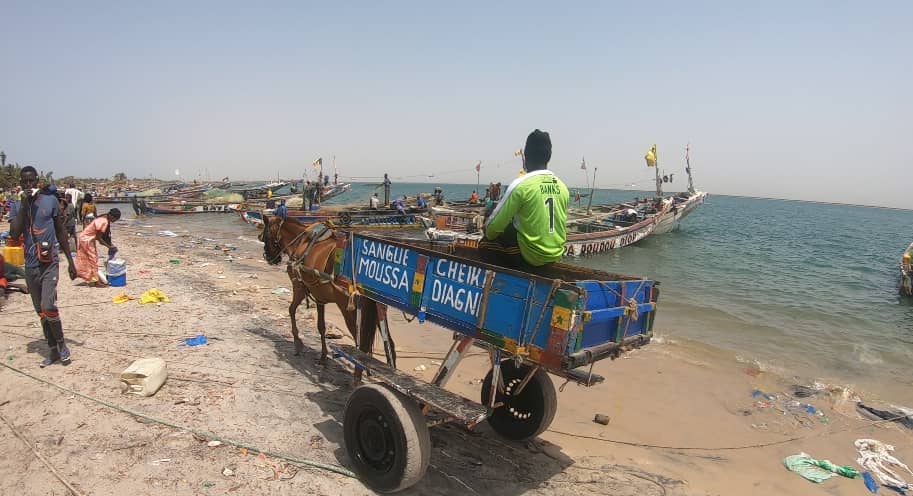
[
  {"x": 534, "y": 409},
  {"x": 406, "y": 436}
]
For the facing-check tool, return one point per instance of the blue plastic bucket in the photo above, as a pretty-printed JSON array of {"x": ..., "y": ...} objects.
[
  {"x": 120, "y": 280},
  {"x": 116, "y": 271}
]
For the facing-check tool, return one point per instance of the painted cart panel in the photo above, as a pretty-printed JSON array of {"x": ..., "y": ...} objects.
[{"x": 549, "y": 318}]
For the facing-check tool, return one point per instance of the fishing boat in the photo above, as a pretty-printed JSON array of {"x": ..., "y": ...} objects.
[
  {"x": 682, "y": 203},
  {"x": 348, "y": 218},
  {"x": 332, "y": 190},
  {"x": 189, "y": 208},
  {"x": 906, "y": 272},
  {"x": 602, "y": 229}
]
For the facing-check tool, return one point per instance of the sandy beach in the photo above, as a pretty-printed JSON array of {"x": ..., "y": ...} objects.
[{"x": 682, "y": 421}]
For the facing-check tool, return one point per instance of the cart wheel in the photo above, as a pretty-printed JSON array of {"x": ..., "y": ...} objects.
[
  {"x": 525, "y": 415},
  {"x": 386, "y": 437}
]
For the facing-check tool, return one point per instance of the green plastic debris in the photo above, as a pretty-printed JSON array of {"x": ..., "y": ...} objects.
[
  {"x": 207, "y": 485},
  {"x": 175, "y": 261},
  {"x": 11, "y": 357},
  {"x": 817, "y": 470}
]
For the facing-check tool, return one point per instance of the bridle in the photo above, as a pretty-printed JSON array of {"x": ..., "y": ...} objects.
[{"x": 289, "y": 248}]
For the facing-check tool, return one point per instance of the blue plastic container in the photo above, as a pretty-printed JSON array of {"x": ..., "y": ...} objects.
[{"x": 116, "y": 271}]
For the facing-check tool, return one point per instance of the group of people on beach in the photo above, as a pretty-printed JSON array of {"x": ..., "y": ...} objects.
[{"x": 525, "y": 230}]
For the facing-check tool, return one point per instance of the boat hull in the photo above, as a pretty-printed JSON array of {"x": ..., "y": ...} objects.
[
  {"x": 679, "y": 211},
  {"x": 346, "y": 219},
  {"x": 577, "y": 244},
  {"x": 191, "y": 209}
]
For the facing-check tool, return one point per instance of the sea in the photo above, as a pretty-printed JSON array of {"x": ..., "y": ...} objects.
[{"x": 801, "y": 289}]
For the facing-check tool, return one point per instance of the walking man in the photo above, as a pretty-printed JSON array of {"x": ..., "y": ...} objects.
[{"x": 43, "y": 225}]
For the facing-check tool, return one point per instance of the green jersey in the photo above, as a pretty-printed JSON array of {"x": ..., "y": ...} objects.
[{"x": 536, "y": 204}]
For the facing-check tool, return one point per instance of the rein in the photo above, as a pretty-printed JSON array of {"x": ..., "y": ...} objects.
[
  {"x": 288, "y": 247},
  {"x": 296, "y": 262}
]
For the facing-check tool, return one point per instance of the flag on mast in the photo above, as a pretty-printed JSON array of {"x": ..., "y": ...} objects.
[
  {"x": 479, "y": 166},
  {"x": 650, "y": 157},
  {"x": 583, "y": 163},
  {"x": 318, "y": 162},
  {"x": 518, "y": 153}
]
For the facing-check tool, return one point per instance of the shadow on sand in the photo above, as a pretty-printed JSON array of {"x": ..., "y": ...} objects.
[{"x": 467, "y": 462}]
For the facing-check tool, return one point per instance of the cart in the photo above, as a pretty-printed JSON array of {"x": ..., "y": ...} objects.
[{"x": 560, "y": 321}]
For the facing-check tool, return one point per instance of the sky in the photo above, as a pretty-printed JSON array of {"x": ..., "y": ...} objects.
[{"x": 802, "y": 100}]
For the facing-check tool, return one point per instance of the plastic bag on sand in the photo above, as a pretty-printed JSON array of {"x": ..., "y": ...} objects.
[
  {"x": 198, "y": 340},
  {"x": 122, "y": 298},
  {"x": 144, "y": 376},
  {"x": 154, "y": 295},
  {"x": 817, "y": 470},
  {"x": 876, "y": 457}
]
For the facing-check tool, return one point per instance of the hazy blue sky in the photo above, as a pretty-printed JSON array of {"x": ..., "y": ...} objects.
[{"x": 808, "y": 100}]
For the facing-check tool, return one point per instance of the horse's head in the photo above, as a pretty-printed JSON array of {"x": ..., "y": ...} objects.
[{"x": 272, "y": 250}]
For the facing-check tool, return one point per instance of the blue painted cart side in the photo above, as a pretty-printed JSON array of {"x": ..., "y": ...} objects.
[{"x": 562, "y": 319}]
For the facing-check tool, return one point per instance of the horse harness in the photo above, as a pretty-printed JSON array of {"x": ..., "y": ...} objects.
[{"x": 313, "y": 235}]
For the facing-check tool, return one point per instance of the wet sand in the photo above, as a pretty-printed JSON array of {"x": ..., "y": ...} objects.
[{"x": 683, "y": 422}]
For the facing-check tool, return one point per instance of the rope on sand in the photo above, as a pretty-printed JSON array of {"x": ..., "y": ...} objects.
[
  {"x": 74, "y": 305},
  {"x": 38, "y": 455},
  {"x": 730, "y": 448},
  {"x": 292, "y": 459}
]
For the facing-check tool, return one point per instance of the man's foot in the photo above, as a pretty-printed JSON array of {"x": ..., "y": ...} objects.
[
  {"x": 64, "y": 354},
  {"x": 53, "y": 356}
]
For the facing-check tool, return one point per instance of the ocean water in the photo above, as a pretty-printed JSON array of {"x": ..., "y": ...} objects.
[{"x": 798, "y": 288}]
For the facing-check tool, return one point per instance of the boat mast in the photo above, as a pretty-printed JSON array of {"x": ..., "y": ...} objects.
[
  {"x": 688, "y": 168},
  {"x": 659, "y": 181},
  {"x": 589, "y": 202}
]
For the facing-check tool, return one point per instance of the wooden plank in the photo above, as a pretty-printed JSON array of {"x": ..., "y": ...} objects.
[{"x": 463, "y": 410}]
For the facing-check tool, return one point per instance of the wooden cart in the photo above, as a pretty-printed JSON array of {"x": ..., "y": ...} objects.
[{"x": 558, "y": 322}]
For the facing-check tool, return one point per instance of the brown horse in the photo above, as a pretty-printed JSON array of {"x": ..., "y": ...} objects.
[{"x": 310, "y": 250}]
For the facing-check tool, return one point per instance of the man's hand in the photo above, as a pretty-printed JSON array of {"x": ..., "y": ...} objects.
[{"x": 72, "y": 271}]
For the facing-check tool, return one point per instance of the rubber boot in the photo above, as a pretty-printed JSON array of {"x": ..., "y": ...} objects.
[
  {"x": 56, "y": 329},
  {"x": 64, "y": 353},
  {"x": 53, "y": 353}
]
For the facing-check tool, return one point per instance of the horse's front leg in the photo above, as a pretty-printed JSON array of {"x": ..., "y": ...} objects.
[
  {"x": 322, "y": 329},
  {"x": 299, "y": 292}
]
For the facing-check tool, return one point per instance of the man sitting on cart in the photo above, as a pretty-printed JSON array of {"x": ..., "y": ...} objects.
[{"x": 527, "y": 228}]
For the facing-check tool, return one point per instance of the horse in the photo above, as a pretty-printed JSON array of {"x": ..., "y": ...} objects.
[{"x": 310, "y": 250}]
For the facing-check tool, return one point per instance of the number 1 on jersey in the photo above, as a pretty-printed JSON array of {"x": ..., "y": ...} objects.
[{"x": 550, "y": 204}]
